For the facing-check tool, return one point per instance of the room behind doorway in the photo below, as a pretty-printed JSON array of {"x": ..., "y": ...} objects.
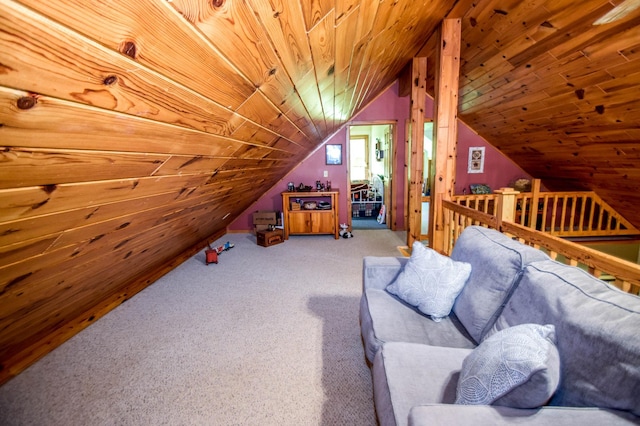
[{"x": 370, "y": 171}]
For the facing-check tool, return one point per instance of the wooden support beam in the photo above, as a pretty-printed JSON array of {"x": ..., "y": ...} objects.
[
  {"x": 404, "y": 80},
  {"x": 416, "y": 166},
  {"x": 445, "y": 127}
]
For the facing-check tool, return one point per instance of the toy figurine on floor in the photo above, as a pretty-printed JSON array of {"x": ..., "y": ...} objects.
[
  {"x": 212, "y": 253},
  {"x": 344, "y": 231}
]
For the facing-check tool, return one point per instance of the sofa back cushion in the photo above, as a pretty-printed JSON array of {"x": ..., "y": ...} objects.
[
  {"x": 496, "y": 267},
  {"x": 597, "y": 336}
]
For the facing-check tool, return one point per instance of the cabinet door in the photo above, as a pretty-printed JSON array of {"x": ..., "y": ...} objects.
[
  {"x": 299, "y": 222},
  {"x": 322, "y": 222}
]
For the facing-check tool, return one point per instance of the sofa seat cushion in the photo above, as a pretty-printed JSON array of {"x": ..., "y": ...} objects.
[
  {"x": 490, "y": 415},
  {"x": 516, "y": 367},
  {"x": 430, "y": 281},
  {"x": 409, "y": 374},
  {"x": 596, "y": 333},
  {"x": 496, "y": 268},
  {"x": 385, "y": 318}
]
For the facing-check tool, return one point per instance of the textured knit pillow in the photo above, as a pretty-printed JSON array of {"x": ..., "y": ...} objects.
[
  {"x": 516, "y": 367},
  {"x": 430, "y": 281}
]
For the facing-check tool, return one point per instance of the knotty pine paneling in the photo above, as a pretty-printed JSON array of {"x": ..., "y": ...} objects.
[
  {"x": 167, "y": 116},
  {"x": 32, "y": 167},
  {"x": 130, "y": 129},
  {"x": 51, "y": 120},
  {"x": 546, "y": 86},
  {"x": 174, "y": 47},
  {"x": 322, "y": 40}
]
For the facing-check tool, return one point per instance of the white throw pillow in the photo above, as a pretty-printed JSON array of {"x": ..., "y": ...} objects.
[
  {"x": 516, "y": 367},
  {"x": 430, "y": 281}
]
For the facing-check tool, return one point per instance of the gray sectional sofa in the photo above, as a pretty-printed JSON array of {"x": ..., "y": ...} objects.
[{"x": 586, "y": 370}]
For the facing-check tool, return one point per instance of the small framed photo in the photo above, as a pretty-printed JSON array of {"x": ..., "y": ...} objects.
[
  {"x": 334, "y": 154},
  {"x": 476, "y": 159}
]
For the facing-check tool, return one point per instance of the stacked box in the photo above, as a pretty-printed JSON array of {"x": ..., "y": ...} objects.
[
  {"x": 269, "y": 238},
  {"x": 262, "y": 219}
]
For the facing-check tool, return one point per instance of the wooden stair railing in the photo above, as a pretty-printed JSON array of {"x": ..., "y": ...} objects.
[
  {"x": 572, "y": 214},
  {"x": 621, "y": 273},
  {"x": 565, "y": 214}
]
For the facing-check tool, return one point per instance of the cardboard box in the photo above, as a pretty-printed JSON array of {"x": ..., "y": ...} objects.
[
  {"x": 265, "y": 218},
  {"x": 269, "y": 238}
]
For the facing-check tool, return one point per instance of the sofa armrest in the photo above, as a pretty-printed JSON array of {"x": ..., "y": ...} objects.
[
  {"x": 379, "y": 272},
  {"x": 490, "y": 415}
]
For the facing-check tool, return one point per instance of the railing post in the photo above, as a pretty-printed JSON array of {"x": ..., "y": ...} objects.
[
  {"x": 506, "y": 205},
  {"x": 533, "y": 208}
]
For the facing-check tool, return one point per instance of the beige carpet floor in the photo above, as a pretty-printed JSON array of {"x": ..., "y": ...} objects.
[{"x": 268, "y": 336}]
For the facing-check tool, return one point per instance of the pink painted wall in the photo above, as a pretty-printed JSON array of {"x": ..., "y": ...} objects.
[{"x": 499, "y": 170}]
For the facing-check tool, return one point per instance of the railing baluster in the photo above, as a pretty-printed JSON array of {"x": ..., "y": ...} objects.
[
  {"x": 625, "y": 285},
  {"x": 563, "y": 215},
  {"x": 582, "y": 209},
  {"x": 545, "y": 206},
  {"x": 600, "y": 216},
  {"x": 572, "y": 218}
]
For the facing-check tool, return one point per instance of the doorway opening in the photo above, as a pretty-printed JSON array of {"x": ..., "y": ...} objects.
[
  {"x": 428, "y": 176},
  {"x": 370, "y": 171}
]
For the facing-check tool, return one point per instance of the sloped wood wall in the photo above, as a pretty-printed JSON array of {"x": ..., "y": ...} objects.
[
  {"x": 131, "y": 131},
  {"x": 556, "y": 92}
]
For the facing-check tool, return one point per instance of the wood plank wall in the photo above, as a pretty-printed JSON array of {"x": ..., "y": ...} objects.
[{"x": 133, "y": 131}]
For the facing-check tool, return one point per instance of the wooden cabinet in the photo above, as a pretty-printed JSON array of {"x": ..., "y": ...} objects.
[{"x": 310, "y": 221}]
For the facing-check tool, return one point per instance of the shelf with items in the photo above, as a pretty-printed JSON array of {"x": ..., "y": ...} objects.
[{"x": 323, "y": 219}]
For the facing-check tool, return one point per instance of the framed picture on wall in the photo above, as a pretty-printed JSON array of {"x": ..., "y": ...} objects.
[
  {"x": 476, "y": 159},
  {"x": 334, "y": 154}
]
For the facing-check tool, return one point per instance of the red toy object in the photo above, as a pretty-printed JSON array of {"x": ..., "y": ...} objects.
[{"x": 212, "y": 253}]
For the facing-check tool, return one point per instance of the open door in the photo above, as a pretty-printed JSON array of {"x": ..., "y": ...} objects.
[{"x": 370, "y": 174}]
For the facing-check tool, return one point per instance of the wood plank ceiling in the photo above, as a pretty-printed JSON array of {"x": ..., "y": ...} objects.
[
  {"x": 557, "y": 94},
  {"x": 133, "y": 130}
]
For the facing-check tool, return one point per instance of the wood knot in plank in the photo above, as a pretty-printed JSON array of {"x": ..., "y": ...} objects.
[
  {"x": 600, "y": 109},
  {"x": 49, "y": 188},
  {"x": 129, "y": 48},
  {"x": 26, "y": 102},
  {"x": 580, "y": 93},
  {"x": 109, "y": 80},
  {"x": 217, "y": 3}
]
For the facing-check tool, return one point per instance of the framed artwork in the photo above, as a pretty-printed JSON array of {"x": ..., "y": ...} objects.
[
  {"x": 476, "y": 159},
  {"x": 334, "y": 154}
]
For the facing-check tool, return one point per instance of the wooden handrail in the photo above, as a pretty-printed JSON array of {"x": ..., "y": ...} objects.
[
  {"x": 621, "y": 273},
  {"x": 567, "y": 214},
  {"x": 572, "y": 214}
]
